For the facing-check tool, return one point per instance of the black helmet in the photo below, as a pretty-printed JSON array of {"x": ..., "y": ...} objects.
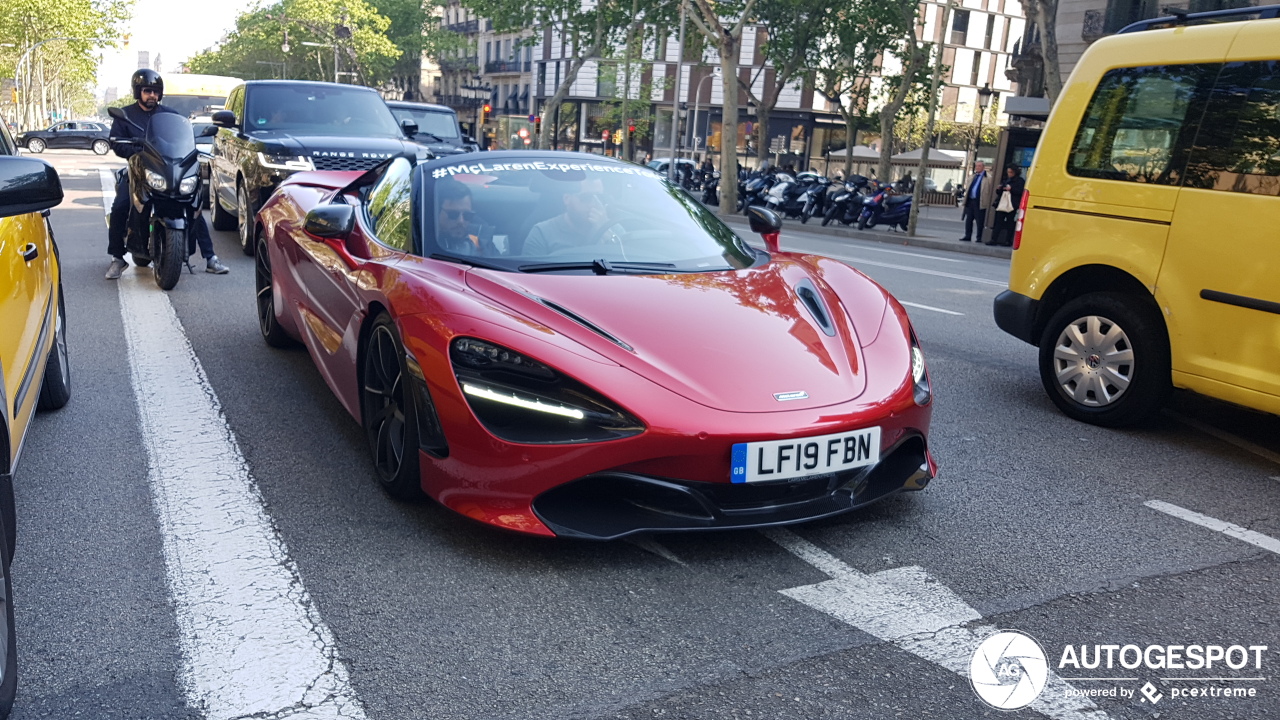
[{"x": 145, "y": 78}]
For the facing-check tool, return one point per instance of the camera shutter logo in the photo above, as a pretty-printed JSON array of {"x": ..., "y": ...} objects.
[{"x": 1008, "y": 670}]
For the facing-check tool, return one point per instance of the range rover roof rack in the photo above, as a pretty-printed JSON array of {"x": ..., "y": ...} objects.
[{"x": 1179, "y": 16}]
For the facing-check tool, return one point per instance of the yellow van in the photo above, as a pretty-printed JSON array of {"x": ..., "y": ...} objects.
[{"x": 1147, "y": 254}]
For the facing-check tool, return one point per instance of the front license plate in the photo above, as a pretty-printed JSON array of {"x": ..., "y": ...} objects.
[{"x": 802, "y": 457}]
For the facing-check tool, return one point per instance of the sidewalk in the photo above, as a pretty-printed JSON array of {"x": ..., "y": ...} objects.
[{"x": 939, "y": 228}]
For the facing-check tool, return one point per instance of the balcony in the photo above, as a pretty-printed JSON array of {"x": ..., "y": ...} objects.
[
  {"x": 505, "y": 66},
  {"x": 464, "y": 28},
  {"x": 459, "y": 64},
  {"x": 460, "y": 101}
]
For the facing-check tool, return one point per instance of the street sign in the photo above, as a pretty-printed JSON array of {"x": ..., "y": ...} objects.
[{"x": 778, "y": 144}]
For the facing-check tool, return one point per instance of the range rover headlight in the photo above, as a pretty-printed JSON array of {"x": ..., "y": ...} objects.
[
  {"x": 188, "y": 185},
  {"x": 285, "y": 161},
  {"x": 919, "y": 374},
  {"x": 156, "y": 181},
  {"x": 522, "y": 400}
]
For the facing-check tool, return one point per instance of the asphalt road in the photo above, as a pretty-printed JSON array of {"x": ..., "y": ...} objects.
[{"x": 1036, "y": 523}]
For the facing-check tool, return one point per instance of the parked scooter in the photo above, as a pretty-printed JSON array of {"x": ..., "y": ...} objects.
[
  {"x": 164, "y": 182},
  {"x": 885, "y": 208}
]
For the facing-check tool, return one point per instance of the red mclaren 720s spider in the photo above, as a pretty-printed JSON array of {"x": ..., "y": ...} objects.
[{"x": 568, "y": 345}]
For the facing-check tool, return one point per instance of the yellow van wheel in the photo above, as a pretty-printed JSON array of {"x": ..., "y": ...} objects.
[{"x": 1104, "y": 359}]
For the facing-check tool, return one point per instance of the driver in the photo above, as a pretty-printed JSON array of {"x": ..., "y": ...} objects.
[
  {"x": 455, "y": 229},
  {"x": 148, "y": 90},
  {"x": 585, "y": 221}
]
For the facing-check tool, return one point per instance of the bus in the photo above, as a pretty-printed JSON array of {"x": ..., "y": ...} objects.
[{"x": 193, "y": 95}]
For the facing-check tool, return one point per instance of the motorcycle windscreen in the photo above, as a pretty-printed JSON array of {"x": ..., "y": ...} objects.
[{"x": 171, "y": 136}]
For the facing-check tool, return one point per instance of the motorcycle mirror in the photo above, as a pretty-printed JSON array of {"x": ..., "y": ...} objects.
[
  {"x": 208, "y": 131},
  {"x": 117, "y": 113},
  {"x": 329, "y": 221}
]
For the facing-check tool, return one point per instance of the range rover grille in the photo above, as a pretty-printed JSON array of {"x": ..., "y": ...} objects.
[{"x": 344, "y": 163}]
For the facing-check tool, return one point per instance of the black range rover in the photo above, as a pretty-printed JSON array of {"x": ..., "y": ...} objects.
[{"x": 274, "y": 128}]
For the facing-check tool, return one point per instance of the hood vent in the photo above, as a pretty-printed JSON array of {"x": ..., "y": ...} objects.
[
  {"x": 808, "y": 295},
  {"x": 586, "y": 324}
]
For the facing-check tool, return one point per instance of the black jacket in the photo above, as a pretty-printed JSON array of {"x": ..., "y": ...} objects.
[
  {"x": 141, "y": 118},
  {"x": 1016, "y": 185}
]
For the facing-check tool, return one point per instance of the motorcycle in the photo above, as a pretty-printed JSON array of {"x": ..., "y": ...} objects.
[
  {"x": 885, "y": 208},
  {"x": 814, "y": 199},
  {"x": 844, "y": 200},
  {"x": 165, "y": 191}
]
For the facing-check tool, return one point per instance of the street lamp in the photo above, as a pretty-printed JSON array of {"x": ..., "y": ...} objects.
[
  {"x": 697, "y": 94},
  {"x": 985, "y": 94}
]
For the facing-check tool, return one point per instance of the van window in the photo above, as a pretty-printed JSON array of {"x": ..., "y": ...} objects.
[
  {"x": 1140, "y": 122},
  {"x": 1238, "y": 148},
  {"x": 389, "y": 209}
]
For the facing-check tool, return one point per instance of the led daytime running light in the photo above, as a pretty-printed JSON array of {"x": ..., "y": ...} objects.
[
  {"x": 286, "y": 162},
  {"x": 520, "y": 402}
]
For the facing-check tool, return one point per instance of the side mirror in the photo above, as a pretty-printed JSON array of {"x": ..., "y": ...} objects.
[
  {"x": 117, "y": 113},
  {"x": 208, "y": 131},
  {"x": 468, "y": 140},
  {"x": 333, "y": 221},
  {"x": 409, "y": 127},
  {"x": 224, "y": 118},
  {"x": 767, "y": 223},
  {"x": 27, "y": 185}
]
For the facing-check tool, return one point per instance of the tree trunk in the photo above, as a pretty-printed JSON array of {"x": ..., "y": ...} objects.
[
  {"x": 549, "y": 108},
  {"x": 730, "y": 50},
  {"x": 889, "y": 113},
  {"x": 850, "y": 133},
  {"x": 1044, "y": 13},
  {"x": 762, "y": 132}
]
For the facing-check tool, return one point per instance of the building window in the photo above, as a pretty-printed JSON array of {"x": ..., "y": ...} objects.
[
  {"x": 488, "y": 52},
  {"x": 1123, "y": 12},
  {"x": 977, "y": 67},
  {"x": 960, "y": 27},
  {"x": 991, "y": 31}
]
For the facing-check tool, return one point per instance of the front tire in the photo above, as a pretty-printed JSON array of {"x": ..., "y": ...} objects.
[
  {"x": 862, "y": 222},
  {"x": 272, "y": 333},
  {"x": 829, "y": 216},
  {"x": 173, "y": 256},
  {"x": 387, "y": 411},
  {"x": 35, "y": 145},
  {"x": 101, "y": 147},
  {"x": 245, "y": 215},
  {"x": 56, "y": 390},
  {"x": 1104, "y": 359}
]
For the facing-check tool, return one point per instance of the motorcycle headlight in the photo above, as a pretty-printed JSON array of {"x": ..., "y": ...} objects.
[
  {"x": 295, "y": 163},
  {"x": 156, "y": 181},
  {"x": 919, "y": 374},
  {"x": 188, "y": 185},
  {"x": 522, "y": 400}
]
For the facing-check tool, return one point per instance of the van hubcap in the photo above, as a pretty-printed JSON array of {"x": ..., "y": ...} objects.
[{"x": 1093, "y": 361}]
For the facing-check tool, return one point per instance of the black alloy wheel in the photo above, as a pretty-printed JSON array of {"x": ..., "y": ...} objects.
[
  {"x": 246, "y": 217},
  {"x": 387, "y": 412},
  {"x": 272, "y": 333}
]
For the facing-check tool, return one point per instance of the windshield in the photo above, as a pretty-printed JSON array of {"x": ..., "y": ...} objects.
[
  {"x": 436, "y": 122},
  {"x": 171, "y": 136},
  {"x": 568, "y": 215},
  {"x": 188, "y": 105},
  {"x": 319, "y": 110}
]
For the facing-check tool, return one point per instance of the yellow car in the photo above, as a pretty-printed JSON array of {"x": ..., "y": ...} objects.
[
  {"x": 1147, "y": 255},
  {"x": 34, "y": 372}
]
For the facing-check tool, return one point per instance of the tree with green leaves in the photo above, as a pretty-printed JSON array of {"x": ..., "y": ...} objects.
[
  {"x": 587, "y": 31},
  {"x": 722, "y": 23},
  {"x": 790, "y": 40},
  {"x": 416, "y": 30},
  {"x": 262, "y": 34},
  {"x": 62, "y": 37}
]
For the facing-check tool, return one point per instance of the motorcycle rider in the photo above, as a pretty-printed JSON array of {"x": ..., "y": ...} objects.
[{"x": 148, "y": 90}]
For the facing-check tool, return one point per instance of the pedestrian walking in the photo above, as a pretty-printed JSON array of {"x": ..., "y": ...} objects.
[
  {"x": 1010, "y": 197},
  {"x": 979, "y": 194}
]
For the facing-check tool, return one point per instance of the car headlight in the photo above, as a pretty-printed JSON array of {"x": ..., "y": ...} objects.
[
  {"x": 522, "y": 400},
  {"x": 156, "y": 181},
  {"x": 919, "y": 374},
  {"x": 285, "y": 162},
  {"x": 188, "y": 185}
]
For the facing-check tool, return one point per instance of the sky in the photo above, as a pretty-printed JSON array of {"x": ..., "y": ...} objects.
[{"x": 175, "y": 30}]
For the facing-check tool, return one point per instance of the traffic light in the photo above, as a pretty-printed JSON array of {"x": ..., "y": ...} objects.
[
  {"x": 537, "y": 124},
  {"x": 631, "y": 128},
  {"x": 484, "y": 113}
]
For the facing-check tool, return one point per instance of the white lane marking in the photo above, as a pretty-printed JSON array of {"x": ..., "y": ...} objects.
[
  {"x": 1276, "y": 478},
  {"x": 648, "y": 544},
  {"x": 1226, "y": 437},
  {"x": 910, "y": 254},
  {"x": 907, "y": 607},
  {"x": 252, "y": 640},
  {"x": 929, "y": 307},
  {"x": 922, "y": 271},
  {"x": 1266, "y": 542},
  {"x": 106, "y": 178}
]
